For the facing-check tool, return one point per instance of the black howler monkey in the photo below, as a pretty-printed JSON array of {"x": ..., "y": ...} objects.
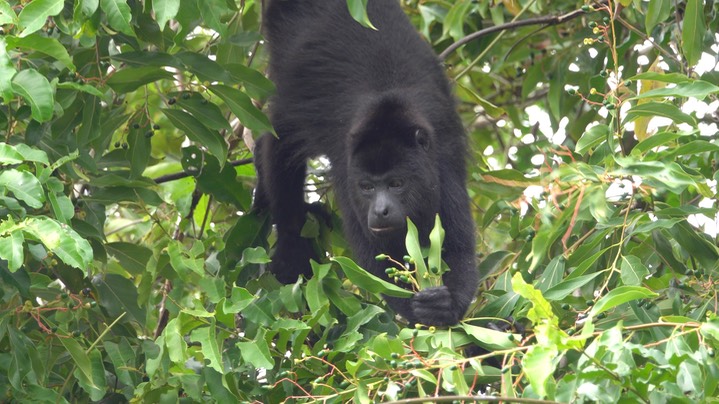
[{"x": 378, "y": 105}]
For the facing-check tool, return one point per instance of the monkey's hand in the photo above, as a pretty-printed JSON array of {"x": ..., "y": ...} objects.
[
  {"x": 435, "y": 306},
  {"x": 291, "y": 259}
]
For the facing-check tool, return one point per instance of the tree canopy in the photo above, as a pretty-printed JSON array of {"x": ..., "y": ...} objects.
[{"x": 132, "y": 266}]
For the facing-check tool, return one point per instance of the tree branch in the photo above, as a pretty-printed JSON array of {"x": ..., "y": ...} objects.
[
  {"x": 184, "y": 174},
  {"x": 546, "y": 21}
]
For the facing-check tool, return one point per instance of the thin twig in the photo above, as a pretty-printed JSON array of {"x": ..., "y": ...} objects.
[
  {"x": 185, "y": 174},
  {"x": 547, "y": 21}
]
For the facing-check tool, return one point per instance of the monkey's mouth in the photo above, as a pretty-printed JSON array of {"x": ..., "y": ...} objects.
[{"x": 382, "y": 230}]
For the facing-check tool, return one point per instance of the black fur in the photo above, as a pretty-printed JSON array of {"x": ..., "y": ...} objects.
[{"x": 378, "y": 105}]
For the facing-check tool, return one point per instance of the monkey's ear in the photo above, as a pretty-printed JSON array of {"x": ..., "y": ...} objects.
[{"x": 422, "y": 138}]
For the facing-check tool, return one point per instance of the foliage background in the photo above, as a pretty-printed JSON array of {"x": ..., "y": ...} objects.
[{"x": 131, "y": 264}]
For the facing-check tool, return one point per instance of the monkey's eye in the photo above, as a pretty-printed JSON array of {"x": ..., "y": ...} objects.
[
  {"x": 366, "y": 186},
  {"x": 396, "y": 183},
  {"x": 422, "y": 138}
]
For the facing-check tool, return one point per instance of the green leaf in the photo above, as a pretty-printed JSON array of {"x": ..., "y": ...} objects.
[
  {"x": 114, "y": 180},
  {"x": 556, "y": 92},
  {"x": 675, "y": 78},
  {"x": 658, "y": 174},
  {"x": 633, "y": 270},
  {"x": 118, "y": 295},
  {"x": 238, "y": 301},
  {"x": 24, "y": 186},
  {"x": 165, "y": 10},
  {"x": 148, "y": 58},
  {"x": 491, "y": 339},
  {"x": 539, "y": 364},
  {"x": 213, "y": 288},
  {"x": 657, "y": 11},
  {"x": 361, "y": 395},
  {"x": 122, "y": 357},
  {"x": 693, "y": 30},
  {"x": 205, "y": 68},
  {"x": 219, "y": 182},
  {"x": 414, "y": 250},
  {"x": 140, "y": 148},
  {"x": 32, "y": 154},
  {"x": 696, "y": 244},
  {"x": 132, "y": 78},
  {"x": 119, "y": 15},
  {"x": 541, "y": 311},
  {"x": 566, "y": 287},
  {"x": 647, "y": 228},
  {"x": 652, "y": 109},
  {"x": 209, "y": 114},
  {"x": 256, "y": 352},
  {"x": 175, "y": 341},
  {"x": 11, "y": 250},
  {"x": 212, "y": 12},
  {"x": 7, "y": 15},
  {"x": 35, "y": 14},
  {"x": 317, "y": 300},
  {"x": 692, "y": 148},
  {"x": 620, "y": 295},
  {"x": 207, "y": 338},
  {"x": 19, "y": 350},
  {"x": 362, "y": 317},
  {"x": 453, "y": 380},
  {"x": 552, "y": 274},
  {"x": 698, "y": 89},
  {"x": 436, "y": 238},
  {"x": 241, "y": 105},
  {"x": 493, "y": 263},
  {"x": 88, "y": 7},
  {"x": 96, "y": 386},
  {"x": 468, "y": 93},
  {"x": 62, "y": 207},
  {"x": 455, "y": 19},
  {"x": 61, "y": 240},
  {"x": 256, "y": 84},
  {"x": 656, "y": 140},
  {"x": 86, "y": 88},
  {"x": 710, "y": 329},
  {"x": 244, "y": 39},
  {"x": 46, "y": 45},
  {"x": 367, "y": 281},
  {"x": 132, "y": 257},
  {"x": 184, "y": 262},
  {"x": 7, "y": 71},
  {"x": 591, "y": 138},
  {"x": 36, "y": 90},
  {"x": 358, "y": 11},
  {"x": 340, "y": 298},
  {"x": 256, "y": 255},
  {"x": 199, "y": 133},
  {"x": 596, "y": 199},
  {"x": 79, "y": 357}
]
